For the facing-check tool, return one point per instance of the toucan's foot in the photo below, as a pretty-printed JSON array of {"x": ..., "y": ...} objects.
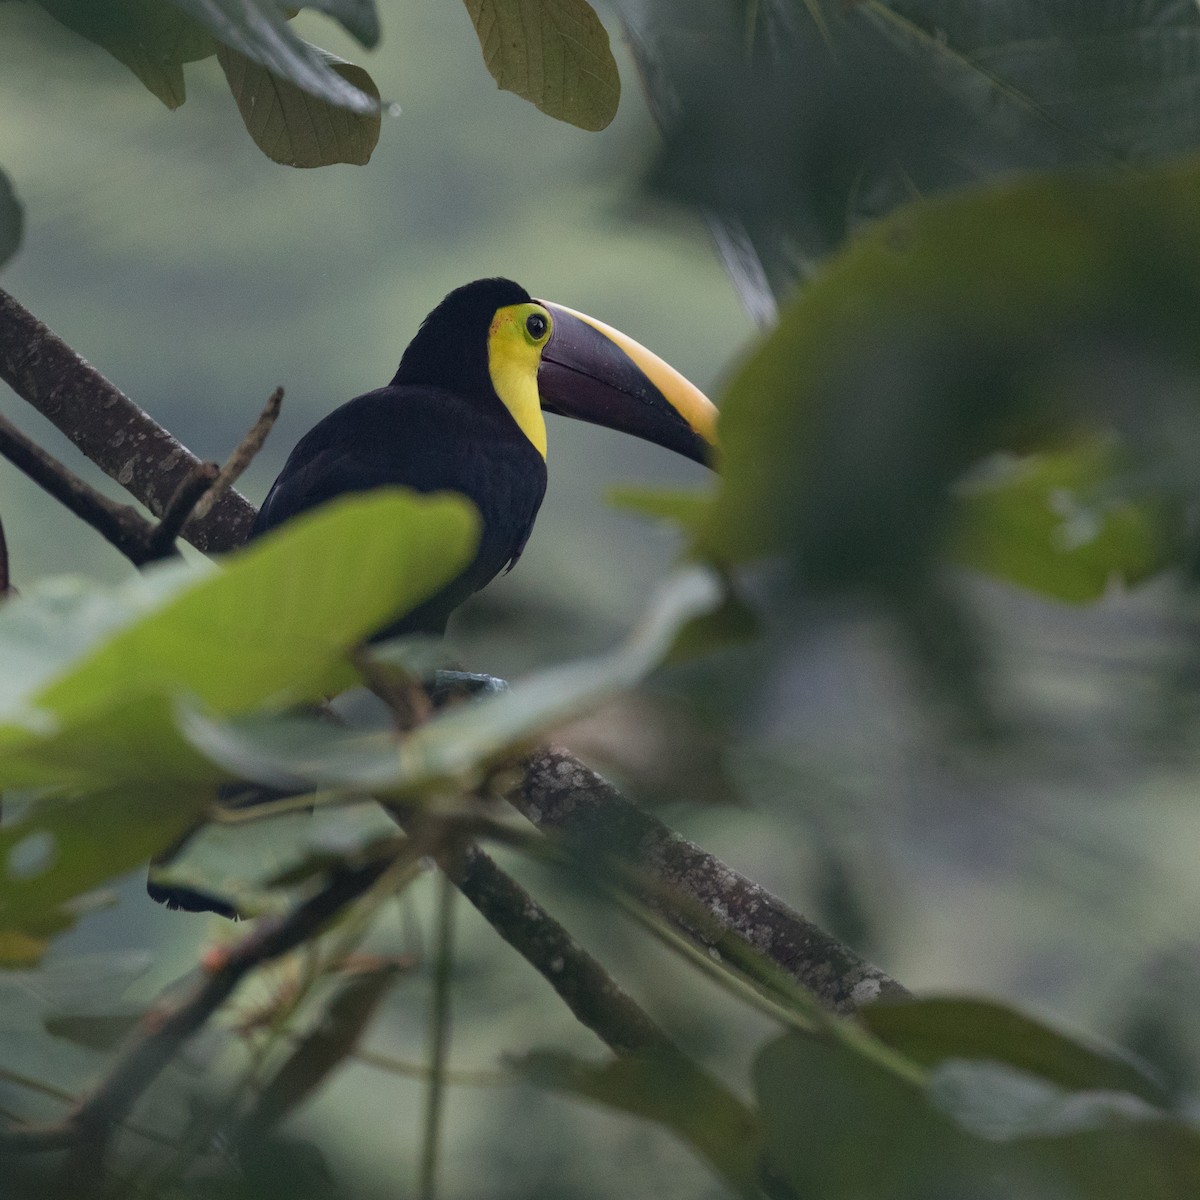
[{"x": 448, "y": 686}]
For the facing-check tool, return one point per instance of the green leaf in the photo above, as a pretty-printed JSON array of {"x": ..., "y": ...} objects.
[
  {"x": 1057, "y": 524},
  {"x": 1084, "y": 1145},
  {"x": 672, "y": 1091},
  {"x": 272, "y": 625},
  {"x": 931, "y": 1029},
  {"x": 964, "y": 326},
  {"x": 684, "y": 508},
  {"x": 259, "y": 29},
  {"x": 65, "y": 847},
  {"x": 554, "y": 53},
  {"x": 292, "y": 126},
  {"x": 150, "y": 37},
  {"x": 458, "y": 744},
  {"x": 840, "y": 1127},
  {"x": 12, "y": 219}
]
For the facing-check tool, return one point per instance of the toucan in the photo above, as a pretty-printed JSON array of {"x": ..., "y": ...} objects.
[{"x": 464, "y": 413}]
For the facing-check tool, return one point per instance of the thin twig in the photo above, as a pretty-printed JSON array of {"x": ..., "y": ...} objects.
[
  {"x": 162, "y": 1031},
  {"x": 242, "y": 456},
  {"x": 118, "y": 524},
  {"x": 5, "y": 577},
  {"x": 161, "y": 543},
  {"x": 118, "y": 436},
  {"x": 439, "y": 1041}
]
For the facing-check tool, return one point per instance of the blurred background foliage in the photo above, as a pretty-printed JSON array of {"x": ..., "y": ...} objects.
[{"x": 983, "y": 259}]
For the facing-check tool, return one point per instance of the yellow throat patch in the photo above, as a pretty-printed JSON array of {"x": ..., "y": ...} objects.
[{"x": 515, "y": 340}]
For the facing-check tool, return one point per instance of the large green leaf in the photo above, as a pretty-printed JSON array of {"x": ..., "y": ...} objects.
[
  {"x": 554, "y": 53},
  {"x": 150, "y": 37},
  {"x": 259, "y": 29},
  {"x": 457, "y": 744},
  {"x": 272, "y": 625},
  {"x": 12, "y": 220},
  {"x": 292, "y": 126},
  {"x": 965, "y": 325},
  {"x": 65, "y": 847}
]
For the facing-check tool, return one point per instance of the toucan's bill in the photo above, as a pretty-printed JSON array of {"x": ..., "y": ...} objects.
[{"x": 598, "y": 374}]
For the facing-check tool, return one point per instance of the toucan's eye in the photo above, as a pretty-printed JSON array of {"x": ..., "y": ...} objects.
[{"x": 537, "y": 325}]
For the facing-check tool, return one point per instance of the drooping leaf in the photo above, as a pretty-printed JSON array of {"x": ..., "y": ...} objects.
[
  {"x": 273, "y": 624},
  {"x": 460, "y": 742},
  {"x": 12, "y": 219},
  {"x": 554, "y": 53},
  {"x": 259, "y": 29},
  {"x": 934, "y": 1028},
  {"x": 294, "y": 127},
  {"x": 150, "y": 37},
  {"x": 671, "y": 1091}
]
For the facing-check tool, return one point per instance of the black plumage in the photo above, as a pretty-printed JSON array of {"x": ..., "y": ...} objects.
[{"x": 438, "y": 425}]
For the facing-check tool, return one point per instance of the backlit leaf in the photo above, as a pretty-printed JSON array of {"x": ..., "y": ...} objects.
[
  {"x": 554, "y": 53},
  {"x": 294, "y": 127}
]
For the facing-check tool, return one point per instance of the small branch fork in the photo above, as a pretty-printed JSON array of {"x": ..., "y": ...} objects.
[{"x": 199, "y": 491}]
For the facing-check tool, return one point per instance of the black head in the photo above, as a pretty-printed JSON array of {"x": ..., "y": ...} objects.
[{"x": 451, "y": 347}]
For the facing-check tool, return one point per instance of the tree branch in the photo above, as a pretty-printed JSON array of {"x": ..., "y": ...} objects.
[
  {"x": 559, "y": 793},
  {"x": 119, "y": 437},
  {"x": 119, "y": 524}
]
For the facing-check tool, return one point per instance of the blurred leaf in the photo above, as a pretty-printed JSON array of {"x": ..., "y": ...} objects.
[
  {"x": 337, "y": 1034},
  {"x": 554, "y": 53},
  {"x": 65, "y": 847},
  {"x": 150, "y": 37},
  {"x": 20, "y": 949},
  {"x": 259, "y": 29},
  {"x": 671, "y": 1091},
  {"x": 964, "y": 326},
  {"x": 931, "y": 1029},
  {"x": 294, "y": 127},
  {"x": 272, "y": 625},
  {"x": 685, "y": 509},
  {"x": 93, "y": 1031},
  {"x": 12, "y": 219},
  {"x": 840, "y": 1127},
  {"x": 1055, "y": 523},
  {"x": 1089, "y": 1145},
  {"x": 279, "y": 1168},
  {"x": 791, "y": 132},
  {"x": 459, "y": 742}
]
